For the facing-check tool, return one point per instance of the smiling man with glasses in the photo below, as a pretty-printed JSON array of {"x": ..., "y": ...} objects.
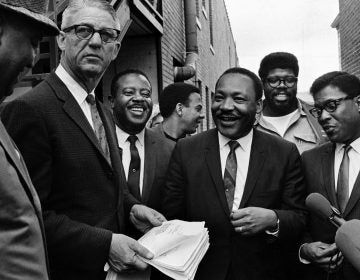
[
  {"x": 68, "y": 141},
  {"x": 333, "y": 171},
  {"x": 283, "y": 113}
]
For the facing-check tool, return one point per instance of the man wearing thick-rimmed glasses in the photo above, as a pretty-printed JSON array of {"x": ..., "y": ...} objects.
[
  {"x": 69, "y": 143},
  {"x": 333, "y": 171},
  {"x": 283, "y": 113}
]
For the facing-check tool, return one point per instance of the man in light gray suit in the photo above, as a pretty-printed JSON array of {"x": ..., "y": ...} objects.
[{"x": 22, "y": 240}]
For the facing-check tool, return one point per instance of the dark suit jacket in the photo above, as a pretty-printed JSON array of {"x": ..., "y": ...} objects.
[
  {"x": 318, "y": 165},
  {"x": 22, "y": 236},
  {"x": 195, "y": 192},
  {"x": 81, "y": 193},
  {"x": 157, "y": 156}
]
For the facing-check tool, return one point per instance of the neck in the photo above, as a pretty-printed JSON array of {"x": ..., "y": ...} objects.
[
  {"x": 172, "y": 127},
  {"x": 87, "y": 83}
]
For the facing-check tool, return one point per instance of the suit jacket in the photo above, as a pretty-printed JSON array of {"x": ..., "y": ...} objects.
[
  {"x": 195, "y": 192},
  {"x": 22, "y": 236},
  {"x": 157, "y": 156},
  {"x": 318, "y": 165},
  {"x": 80, "y": 191}
]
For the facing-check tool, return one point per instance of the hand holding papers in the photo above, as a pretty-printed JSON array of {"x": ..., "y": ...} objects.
[{"x": 178, "y": 247}]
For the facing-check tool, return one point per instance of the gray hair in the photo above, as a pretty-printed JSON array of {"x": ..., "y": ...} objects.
[{"x": 76, "y": 5}]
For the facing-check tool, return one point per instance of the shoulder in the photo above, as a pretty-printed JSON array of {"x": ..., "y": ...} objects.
[
  {"x": 199, "y": 139},
  {"x": 264, "y": 138},
  {"x": 317, "y": 151}
]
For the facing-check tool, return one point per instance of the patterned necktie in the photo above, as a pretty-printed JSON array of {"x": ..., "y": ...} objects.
[
  {"x": 98, "y": 126},
  {"x": 342, "y": 193},
  {"x": 230, "y": 173},
  {"x": 134, "y": 169}
]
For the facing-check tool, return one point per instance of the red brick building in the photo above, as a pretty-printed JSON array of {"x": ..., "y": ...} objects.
[
  {"x": 170, "y": 40},
  {"x": 348, "y": 25}
]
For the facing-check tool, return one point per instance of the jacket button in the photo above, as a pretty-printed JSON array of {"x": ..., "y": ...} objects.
[{"x": 110, "y": 174}]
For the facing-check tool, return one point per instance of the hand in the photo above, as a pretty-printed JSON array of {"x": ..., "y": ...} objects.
[
  {"x": 124, "y": 252},
  {"x": 326, "y": 256},
  {"x": 252, "y": 220},
  {"x": 145, "y": 218}
]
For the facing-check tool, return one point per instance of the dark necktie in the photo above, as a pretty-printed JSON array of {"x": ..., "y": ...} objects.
[
  {"x": 98, "y": 127},
  {"x": 342, "y": 193},
  {"x": 134, "y": 168},
  {"x": 230, "y": 173}
]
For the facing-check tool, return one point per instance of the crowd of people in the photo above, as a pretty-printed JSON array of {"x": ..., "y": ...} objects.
[{"x": 80, "y": 182}]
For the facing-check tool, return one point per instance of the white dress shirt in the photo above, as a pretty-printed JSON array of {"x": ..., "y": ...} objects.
[
  {"x": 77, "y": 91},
  {"x": 354, "y": 167},
  {"x": 242, "y": 158},
  {"x": 122, "y": 137}
]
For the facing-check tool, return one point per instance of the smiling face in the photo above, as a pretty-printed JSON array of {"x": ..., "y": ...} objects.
[
  {"x": 192, "y": 113},
  {"x": 88, "y": 59},
  {"x": 342, "y": 125},
  {"x": 280, "y": 100},
  {"x": 19, "y": 44},
  {"x": 234, "y": 105},
  {"x": 133, "y": 104}
]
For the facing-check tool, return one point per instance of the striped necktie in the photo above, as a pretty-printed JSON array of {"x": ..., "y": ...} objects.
[{"x": 230, "y": 173}]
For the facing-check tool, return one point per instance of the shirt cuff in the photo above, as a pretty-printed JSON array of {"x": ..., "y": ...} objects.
[
  {"x": 300, "y": 258},
  {"x": 275, "y": 231}
]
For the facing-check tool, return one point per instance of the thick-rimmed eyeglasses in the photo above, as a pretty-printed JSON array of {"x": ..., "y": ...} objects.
[
  {"x": 330, "y": 106},
  {"x": 288, "y": 81},
  {"x": 85, "y": 32}
]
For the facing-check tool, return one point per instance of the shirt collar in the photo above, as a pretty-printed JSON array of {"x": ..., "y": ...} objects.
[
  {"x": 123, "y": 136},
  {"x": 76, "y": 90},
  {"x": 355, "y": 145},
  {"x": 245, "y": 141}
]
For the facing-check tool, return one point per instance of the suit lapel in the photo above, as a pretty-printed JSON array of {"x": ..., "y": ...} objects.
[
  {"x": 73, "y": 110},
  {"x": 212, "y": 158},
  {"x": 328, "y": 174},
  {"x": 9, "y": 148},
  {"x": 256, "y": 163},
  {"x": 149, "y": 166},
  {"x": 354, "y": 197}
]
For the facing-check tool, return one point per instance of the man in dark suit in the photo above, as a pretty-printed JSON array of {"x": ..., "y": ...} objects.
[
  {"x": 333, "y": 171},
  {"x": 68, "y": 141},
  {"x": 245, "y": 184},
  {"x": 23, "y": 252},
  {"x": 132, "y": 106}
]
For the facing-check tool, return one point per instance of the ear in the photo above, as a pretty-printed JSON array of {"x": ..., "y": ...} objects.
[
  {"x": 61, "y": 40},
  {"x": 179, "y": 108},
  {"x": 111, "y": 101},
  {"x": 116, "y": 50},
  {"x": 259, "y": 106}
]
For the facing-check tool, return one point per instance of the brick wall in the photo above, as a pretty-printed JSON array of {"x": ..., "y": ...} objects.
[{"x": 349, "y": 35}]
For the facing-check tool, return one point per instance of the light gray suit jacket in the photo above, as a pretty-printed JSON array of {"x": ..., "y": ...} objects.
[{"x": 22, "y": 239}]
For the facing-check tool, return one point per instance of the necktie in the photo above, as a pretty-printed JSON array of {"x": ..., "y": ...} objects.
[
  {"x": 134, "y": 169},
  {"x": 342, "y": 193},
  {"x": 230, "y": 173},
  {"x": 98, "y": 126}
]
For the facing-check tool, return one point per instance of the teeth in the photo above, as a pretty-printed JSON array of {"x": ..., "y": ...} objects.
[{"x": 136, "y": 109}]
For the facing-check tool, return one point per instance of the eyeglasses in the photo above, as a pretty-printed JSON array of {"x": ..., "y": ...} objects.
[
  {"x": 330, "y": 106},
  {"x": 288, "y": 81},
  {"x": 85, "y": 32}
]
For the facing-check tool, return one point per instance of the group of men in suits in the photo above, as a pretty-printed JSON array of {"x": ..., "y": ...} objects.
[{"x": 98, "y": 173}]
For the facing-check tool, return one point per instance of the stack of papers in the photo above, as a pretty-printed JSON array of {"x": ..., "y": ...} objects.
[{"x": 178, "y": 247}]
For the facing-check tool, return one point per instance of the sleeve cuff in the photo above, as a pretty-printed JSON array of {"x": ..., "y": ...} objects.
[{"x": 300, "y": 258}]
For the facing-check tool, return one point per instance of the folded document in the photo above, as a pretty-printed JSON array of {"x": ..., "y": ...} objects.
[{"x": 178, "y": 248}]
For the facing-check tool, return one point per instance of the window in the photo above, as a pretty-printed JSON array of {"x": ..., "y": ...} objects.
[{"x": 211, "y": 23}]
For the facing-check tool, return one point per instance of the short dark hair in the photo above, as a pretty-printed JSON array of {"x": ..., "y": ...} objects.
[
  {"x": 280, "y": 60},
  {"x": 174, "y": 94},
  {"x": 114, "y": 82},
  {"x": 242, "y": 71},
  {"x": 347, "y": 83}
]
